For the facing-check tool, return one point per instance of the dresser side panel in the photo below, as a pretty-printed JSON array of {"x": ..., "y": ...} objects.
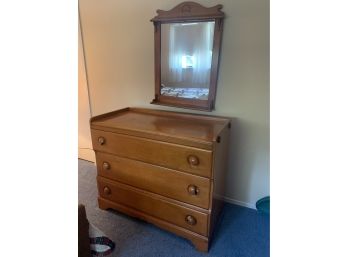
[{"x": 220, "y": 161}]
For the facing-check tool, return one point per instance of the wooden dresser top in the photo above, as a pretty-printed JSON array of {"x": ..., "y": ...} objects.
[{"x": 189, "y": 129}]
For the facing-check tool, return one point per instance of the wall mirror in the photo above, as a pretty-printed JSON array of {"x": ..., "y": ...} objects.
[{"x": 187, "y": 48}]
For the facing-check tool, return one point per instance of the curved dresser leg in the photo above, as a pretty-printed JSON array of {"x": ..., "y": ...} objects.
[
  {"x": 200, "y": 245},
  {"x": 102, "y": 204}
]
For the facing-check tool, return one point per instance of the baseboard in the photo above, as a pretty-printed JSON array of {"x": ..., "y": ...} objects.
[
  {"x": 86, "y": 154},
  {"x": 236, "y": 202}
]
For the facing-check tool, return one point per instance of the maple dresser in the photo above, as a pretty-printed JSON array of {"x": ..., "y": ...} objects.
[{"x": 166, "y": 168}]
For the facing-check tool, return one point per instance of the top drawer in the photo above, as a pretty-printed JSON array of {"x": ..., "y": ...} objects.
[{"x": 189, "y": 159}]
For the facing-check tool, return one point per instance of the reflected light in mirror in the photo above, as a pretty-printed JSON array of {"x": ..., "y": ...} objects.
[
  {"x": 187, "y": 61},
  {"x": 186, "y": 55}
]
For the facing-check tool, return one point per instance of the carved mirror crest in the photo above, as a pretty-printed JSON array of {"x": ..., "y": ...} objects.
[{"x": 187, "y": 48}]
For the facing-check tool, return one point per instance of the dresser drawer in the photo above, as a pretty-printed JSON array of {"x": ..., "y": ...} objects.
[
  {"x": 155, "y": 206},
  {"x": 178, "y": 157},
  {"x": 181, "y": 186}
]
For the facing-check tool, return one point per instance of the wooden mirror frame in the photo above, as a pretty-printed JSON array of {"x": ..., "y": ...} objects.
[{"x": 189, "y": 12}]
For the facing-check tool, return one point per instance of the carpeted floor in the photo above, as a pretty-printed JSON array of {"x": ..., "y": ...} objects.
[{"x": 242, "y": 232}]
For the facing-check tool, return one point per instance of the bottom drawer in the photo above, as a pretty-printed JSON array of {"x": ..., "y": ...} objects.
[{"x": 148, "y": 203}]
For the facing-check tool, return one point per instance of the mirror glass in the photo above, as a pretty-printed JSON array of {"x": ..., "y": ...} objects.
[{"x": 186, "y": 56}]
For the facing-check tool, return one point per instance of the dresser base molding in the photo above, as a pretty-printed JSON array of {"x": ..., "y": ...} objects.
[{"x": 200, "y": 242}]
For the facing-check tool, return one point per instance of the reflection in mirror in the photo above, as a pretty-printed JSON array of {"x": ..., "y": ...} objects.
[{"x": 186, "y": 55}]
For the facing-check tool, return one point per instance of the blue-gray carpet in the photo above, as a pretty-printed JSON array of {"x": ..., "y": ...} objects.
[{"x": 242, "y": 232}]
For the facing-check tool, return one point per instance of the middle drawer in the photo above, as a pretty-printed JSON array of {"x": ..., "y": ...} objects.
[{"x": 167, "y": 182}]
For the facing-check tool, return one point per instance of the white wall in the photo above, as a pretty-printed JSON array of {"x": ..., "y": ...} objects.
[
  {"x": 85, "y": 141},
  {"x": 119, "y": 45}
]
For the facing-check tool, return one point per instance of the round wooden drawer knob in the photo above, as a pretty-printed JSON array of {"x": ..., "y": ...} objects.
[
  {"x": 106, "y": 166},
  {"x": 107, "y": 190},
  {"x": 193, "y": 160},
  {"x": 190, "y": 220},
  {"x": 193, "y": 190},
  {"x": 101, "y": 140}
]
